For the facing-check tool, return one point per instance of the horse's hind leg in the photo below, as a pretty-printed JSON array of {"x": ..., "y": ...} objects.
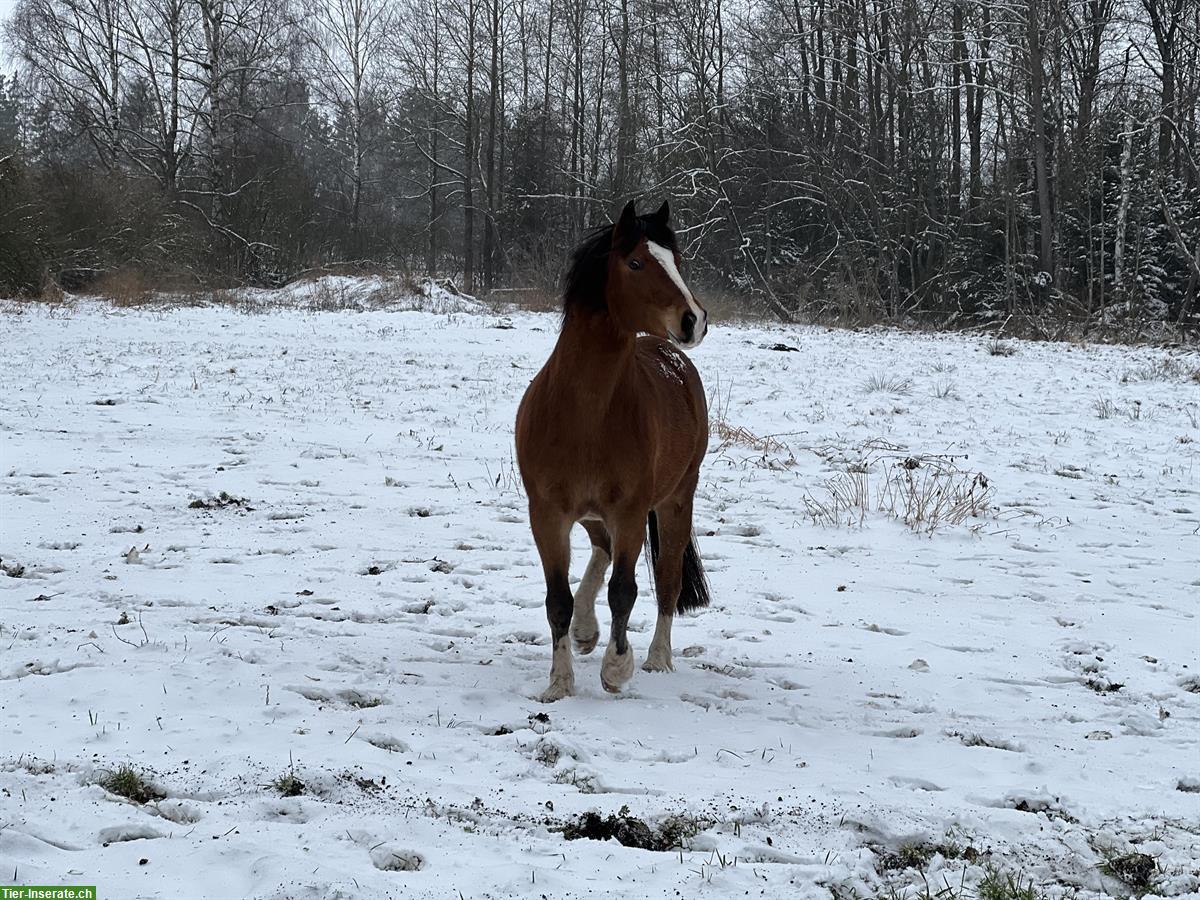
[
  {"x": 584, "y": 627},
  {"x": 552, "y": 534},
  {"x": 674, "y": 532},
  {"x": 627, "y": 537}
]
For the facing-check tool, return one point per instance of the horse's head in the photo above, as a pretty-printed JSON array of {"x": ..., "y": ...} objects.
[{"x": 645, "y": 290}]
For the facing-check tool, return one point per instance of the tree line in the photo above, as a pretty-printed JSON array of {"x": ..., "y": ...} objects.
[{"x": 951, "y": 160}]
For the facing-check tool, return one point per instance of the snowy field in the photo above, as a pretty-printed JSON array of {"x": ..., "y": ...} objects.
[{"x": 253, "y": 555}]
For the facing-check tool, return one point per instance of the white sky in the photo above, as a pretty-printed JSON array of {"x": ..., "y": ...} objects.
[{"x": 6, "y": 8}]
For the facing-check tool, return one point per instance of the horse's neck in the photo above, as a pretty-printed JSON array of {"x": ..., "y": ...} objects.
[{"x": 592, "y": 356}]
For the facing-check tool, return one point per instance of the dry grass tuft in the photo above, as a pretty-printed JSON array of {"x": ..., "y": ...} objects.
[
  {"x": 124, "y": 287},
  {"x": 769, "y": 446},
  {"x": 744, "y": 437},
  {"x": 887, "y": 384},
  {"x": 1167, "y": 368},
  {"x": 924, "y": 492}
]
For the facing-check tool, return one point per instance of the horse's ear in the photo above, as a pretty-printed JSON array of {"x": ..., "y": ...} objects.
[
  {"x": 663, "y": 213},
  {"x": 626, "y": 225},
  {"x": 628, "y": 214}
]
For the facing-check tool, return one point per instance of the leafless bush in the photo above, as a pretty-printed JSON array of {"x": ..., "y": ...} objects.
[
  {"x": 997, "y": 347},
  {"x": 1104, "y": 408}
]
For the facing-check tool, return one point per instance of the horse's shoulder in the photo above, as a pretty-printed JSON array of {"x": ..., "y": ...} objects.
[{"x": 664, "y": 361}]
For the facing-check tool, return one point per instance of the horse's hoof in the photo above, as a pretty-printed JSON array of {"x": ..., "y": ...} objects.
[
  {"x": 558, "y": 689},
  {"x": 657, "y": 663},
  {"x": 616, "y": 669},
  {"x": 584, "y": 643}
]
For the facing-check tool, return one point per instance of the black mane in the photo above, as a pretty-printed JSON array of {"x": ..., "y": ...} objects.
[{"x": 586, "y": 278}]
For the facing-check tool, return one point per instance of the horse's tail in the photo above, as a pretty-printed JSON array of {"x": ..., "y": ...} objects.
[{"x": 694, "y": 592}]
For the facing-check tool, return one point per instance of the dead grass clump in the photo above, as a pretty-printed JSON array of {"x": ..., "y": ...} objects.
[
  {"x": 734, "y": 434},
  {"x": 724, "y": 305},
  {"x": 943, "y": 389},
  {"x": 1167, "y": 368},
  {"x": 126, "y": 286},
  {"x": 534, "y": 299},
  {"x": 51, "y": 292},
  {"x": 924, "y": 492},
  {"x": 927, "y": 494},
  {"x": 887, "y": 384},
  {"x": 845, "y": 501}
]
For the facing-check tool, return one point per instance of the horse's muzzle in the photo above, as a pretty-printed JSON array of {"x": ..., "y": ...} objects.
[
  {"x": 691, "y": 330},
  {"x": 689, "y": 326}
]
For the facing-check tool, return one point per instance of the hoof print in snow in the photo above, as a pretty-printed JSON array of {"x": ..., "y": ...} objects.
[
  {"x": 901, "y": 733},
  {"x": 390, "y": 858},
  {"x": 978, "y": 740},
  {"x": 117, "y": 834},
  {"x": 385, "y": 742},
  {"x": 1049, "y": 806}
]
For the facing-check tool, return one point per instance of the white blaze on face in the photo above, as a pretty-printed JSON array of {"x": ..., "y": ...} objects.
[{"x": 666, "y": 259}]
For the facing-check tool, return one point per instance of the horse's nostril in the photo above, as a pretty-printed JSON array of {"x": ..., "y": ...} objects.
[{"x": 689, "y": 325}]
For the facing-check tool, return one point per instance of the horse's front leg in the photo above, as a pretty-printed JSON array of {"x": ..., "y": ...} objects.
[
  {"x": 627, "y": 538},
  {"x": 552, "y": 534},
  {"x": 584, "y": 627}
]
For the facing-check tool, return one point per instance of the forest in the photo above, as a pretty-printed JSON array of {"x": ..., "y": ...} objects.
[{"x": 941, "y": 161}]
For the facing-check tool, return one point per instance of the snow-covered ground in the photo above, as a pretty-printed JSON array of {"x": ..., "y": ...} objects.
[{"x": 863, "y": 708}]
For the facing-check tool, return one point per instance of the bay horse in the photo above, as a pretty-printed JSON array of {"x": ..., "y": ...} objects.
[{"x": 610, "y": 434}]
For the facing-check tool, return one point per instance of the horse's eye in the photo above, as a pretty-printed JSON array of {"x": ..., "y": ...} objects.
[{"x": 635, "y": 264}]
